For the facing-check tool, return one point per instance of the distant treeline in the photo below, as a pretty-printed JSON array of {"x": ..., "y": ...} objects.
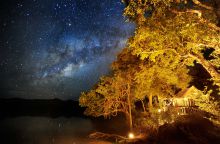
[{"x": 46, "y": 108}]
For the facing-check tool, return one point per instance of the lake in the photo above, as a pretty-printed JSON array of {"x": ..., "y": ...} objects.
[
  {"x": 43, "y": 130},
  {"x": 51, "y": 122}
]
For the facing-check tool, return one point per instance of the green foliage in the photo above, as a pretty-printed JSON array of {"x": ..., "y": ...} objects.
[
  {"x": 163, "y": 82},
  {"x": 175, "y": 34},
  {"x": 109, "y": 97},
  {"x": 170, "y": 36}
]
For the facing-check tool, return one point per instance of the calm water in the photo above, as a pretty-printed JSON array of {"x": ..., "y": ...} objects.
[{"x": 43, "y": 130}]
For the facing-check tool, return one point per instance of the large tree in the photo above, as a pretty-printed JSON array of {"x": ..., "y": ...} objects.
[
  {"x": 111, "y": 96},
  {"x": 170, "y": 37},
  {"x": 178, "y": 29}
]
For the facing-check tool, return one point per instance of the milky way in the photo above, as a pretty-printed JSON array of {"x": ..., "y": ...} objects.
[{"x": 58, "y": 48}]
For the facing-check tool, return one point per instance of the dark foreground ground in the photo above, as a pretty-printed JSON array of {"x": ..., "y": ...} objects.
[
  {"x": 63, "y": 122},
  {"x": 186, "y": 130}
]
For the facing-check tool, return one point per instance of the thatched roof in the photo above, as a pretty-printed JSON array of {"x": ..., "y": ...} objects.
[{"x": 187, "y": 91}]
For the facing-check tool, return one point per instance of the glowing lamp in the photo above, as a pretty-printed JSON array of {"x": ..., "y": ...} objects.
[
  {"x": 159, "y": 110},
  {"x": 130, "y": 135}
]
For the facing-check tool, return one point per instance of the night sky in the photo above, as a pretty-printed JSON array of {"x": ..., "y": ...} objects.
[{"x": 58, "y": 48}]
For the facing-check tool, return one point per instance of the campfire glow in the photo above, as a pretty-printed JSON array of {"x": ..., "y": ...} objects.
[{"x": 130, "y": 135}]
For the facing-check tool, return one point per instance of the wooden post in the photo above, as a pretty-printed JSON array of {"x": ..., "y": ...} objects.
[{"x": 129, "y": 107}]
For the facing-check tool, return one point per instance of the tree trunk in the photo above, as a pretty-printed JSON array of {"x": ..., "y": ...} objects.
[
  {"x": 217, "y": 10},
  {"x": 150, "y": 102},
  {"x": 143, "y": 105},
  {"x": 129, "y": 107},
  {"x": 209, "y": 68}
]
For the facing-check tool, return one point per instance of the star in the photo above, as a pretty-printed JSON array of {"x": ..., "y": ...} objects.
[{"x": 59, "y": 47}]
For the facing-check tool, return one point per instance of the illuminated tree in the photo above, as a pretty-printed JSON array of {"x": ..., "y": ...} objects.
[
  {"x": 176, "y": 30},
  {"x": 111, "y": 96},
  {"x": 151, "y": 79},
  {"x": 159, "y": 81},
  {"x": 170, "y": 37}
]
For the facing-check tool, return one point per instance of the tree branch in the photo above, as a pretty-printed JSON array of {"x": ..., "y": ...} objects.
[
  {"x": 208, "y": 66},
  {"x": 215, "y": 46},
  {"x": 197, "y": 2},
  {"x": 199, "y": 13},
  {"x": 210, "y": 24},
  {"x": 100, "y": 135}
]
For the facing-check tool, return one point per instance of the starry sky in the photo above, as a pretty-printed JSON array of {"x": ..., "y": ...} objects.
[{"x": 58, "y": 48}]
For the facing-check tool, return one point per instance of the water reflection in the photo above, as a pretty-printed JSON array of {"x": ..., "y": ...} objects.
[
  {"x": 43, "y": 130},
  {"x": 39, "y": 130},
  {"x": 51, "y": 122}
]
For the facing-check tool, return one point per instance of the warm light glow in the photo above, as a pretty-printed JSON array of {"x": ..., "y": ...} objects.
[
  {"x": 159, "y": 110},
  {"x": 130, "y": 135}
]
